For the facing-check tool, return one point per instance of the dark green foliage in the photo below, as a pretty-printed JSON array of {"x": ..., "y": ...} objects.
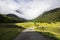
[
  {"x": 50, "y": 16},
  {"x": 10, "y": 19},
  {"x": 4, "y": 19},
  {"x": 14, "y": 17},
  {"x": 9, "y": 31}
]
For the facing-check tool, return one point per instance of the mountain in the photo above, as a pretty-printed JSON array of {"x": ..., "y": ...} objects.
[
  {"x": 10, "y": 19},
  {"x": 14, "y": 17},
  {"x": 50, "y": 16},
  {"x": 4, "y": 19}
]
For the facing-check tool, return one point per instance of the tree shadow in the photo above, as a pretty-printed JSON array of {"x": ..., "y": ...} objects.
[{"x": 11, "y": 25}]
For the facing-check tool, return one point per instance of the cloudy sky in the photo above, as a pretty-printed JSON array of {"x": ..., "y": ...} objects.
[{"x": 27, "y": 9}]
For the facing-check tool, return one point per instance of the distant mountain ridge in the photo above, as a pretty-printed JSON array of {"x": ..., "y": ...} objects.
[
  {"x": 50, "y": 16},
  {"x": 10, "y": 18}
]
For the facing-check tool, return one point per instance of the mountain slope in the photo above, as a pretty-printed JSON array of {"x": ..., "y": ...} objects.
[
  {"x": 14, "y": 17},
  {"x": 50, "y": 16},
  {"x": 9, "y": 19}
]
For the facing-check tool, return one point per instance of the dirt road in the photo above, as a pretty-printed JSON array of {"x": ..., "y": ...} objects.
[{"x": 30, "y": 34}]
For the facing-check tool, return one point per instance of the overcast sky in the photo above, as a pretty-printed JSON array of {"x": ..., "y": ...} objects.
[{"x": 27, "y": 9}]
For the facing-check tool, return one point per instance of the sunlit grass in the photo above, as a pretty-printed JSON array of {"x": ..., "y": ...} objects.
[
  {"x": 10, "y": 33},
  {"x": 30, "y": 24},
  {"x": 51, "y": 24},
  {"x": 26, "y": 24},
  {"x": 53, "y": 28}
]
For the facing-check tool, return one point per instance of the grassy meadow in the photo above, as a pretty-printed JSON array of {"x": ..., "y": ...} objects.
[
  {"x": 47, "y": 29},
  {"x": 11, "y": 30}
]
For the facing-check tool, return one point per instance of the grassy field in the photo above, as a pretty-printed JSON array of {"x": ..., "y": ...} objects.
[
  {"x": 51, "y": 30},
  {"x": 10, "y": 31},
  {"x": 47, "y": 29}
]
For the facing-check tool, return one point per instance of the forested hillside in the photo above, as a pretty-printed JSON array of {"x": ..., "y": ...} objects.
[
  {"x": 10, "y": 19},
  {"x": 50, "y": 16}
]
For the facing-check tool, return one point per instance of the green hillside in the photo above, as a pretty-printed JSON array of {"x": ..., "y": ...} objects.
[
  {"x": 50, "y": 16},
  {"x": 8, "y": 19},
  {"x": 14, "y": 17}
]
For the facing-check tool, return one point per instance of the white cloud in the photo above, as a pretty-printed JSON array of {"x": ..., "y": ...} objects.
[{"x": 29, "y": 9}]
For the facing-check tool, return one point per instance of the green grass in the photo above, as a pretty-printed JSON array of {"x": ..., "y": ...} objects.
[
  {"x": 50, "y": 30},
  {"x": 9, "y": 33},
  {"x": 25, "y": 25}
]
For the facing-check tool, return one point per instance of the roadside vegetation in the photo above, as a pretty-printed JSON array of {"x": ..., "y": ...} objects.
[
  {"x": 9, "y": 32},
  {"x": 51, "y": 30}
]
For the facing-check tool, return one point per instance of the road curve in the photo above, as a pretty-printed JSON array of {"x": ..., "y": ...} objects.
[{"x": 30, "y": 34}]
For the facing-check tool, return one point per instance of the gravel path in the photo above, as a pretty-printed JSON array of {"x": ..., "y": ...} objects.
[{"x": 30, "y": 34}]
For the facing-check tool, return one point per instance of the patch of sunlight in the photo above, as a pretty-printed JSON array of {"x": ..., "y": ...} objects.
[
  {"x": 26, "y": 24},
  {"x": 52, "y": 28},
  {"x": 30, "y": 24}
]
